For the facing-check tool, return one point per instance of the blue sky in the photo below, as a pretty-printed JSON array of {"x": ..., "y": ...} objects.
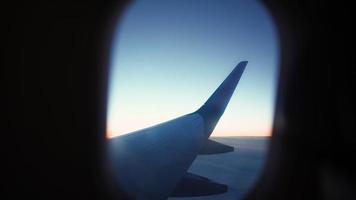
[{"x": 169, "y": 56}]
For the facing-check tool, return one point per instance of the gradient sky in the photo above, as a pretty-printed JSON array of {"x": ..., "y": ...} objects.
[{"x": 169, "y": 56}]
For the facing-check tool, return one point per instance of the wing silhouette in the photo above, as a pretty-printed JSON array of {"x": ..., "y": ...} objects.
[{"x": 152, "y": 162}]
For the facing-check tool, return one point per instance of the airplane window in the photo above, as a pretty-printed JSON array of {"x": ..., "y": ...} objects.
[{"x": 191, "y": 98}]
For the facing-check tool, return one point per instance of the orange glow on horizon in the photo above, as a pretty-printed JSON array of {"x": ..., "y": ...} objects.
[{"x": 252, "y": 133}]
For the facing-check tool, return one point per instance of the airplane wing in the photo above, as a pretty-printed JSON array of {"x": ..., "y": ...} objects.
[
  {"x": 214, "y": 147},
  {"x": 149, "y": 163}
]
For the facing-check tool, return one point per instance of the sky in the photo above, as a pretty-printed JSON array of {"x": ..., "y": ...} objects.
[{"x": 168, "y": 57}]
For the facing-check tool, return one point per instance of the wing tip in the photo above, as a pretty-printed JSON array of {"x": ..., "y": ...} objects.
[
  {"x": 215, "y": 106},
  {"x": 241, "y": 66},
  {"x": 244, "y": 62}
]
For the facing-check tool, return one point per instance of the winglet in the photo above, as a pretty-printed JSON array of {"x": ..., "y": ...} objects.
[{"x": 215, "y": 106}]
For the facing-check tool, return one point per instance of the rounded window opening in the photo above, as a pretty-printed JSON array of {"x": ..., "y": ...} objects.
[{"x": 191, "y": 98}]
